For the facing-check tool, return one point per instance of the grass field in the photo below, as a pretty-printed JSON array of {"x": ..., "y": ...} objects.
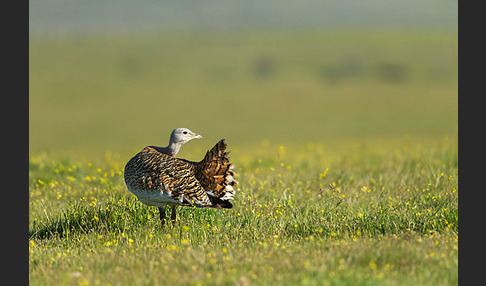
[
  {"x": 345, "y": 146},
  {"x": 368, "y": 216}
]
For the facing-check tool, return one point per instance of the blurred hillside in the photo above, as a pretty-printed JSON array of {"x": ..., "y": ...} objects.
[{"x": 59, "y": 16}]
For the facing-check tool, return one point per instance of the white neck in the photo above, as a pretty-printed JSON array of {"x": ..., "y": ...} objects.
[{"x": 172, "y": 149}]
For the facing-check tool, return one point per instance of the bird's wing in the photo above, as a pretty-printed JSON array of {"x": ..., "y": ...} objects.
[{"x": 154, "y": 171}]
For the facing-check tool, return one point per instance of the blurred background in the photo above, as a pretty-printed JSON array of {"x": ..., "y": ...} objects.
[{"x": 115, "y": 76}]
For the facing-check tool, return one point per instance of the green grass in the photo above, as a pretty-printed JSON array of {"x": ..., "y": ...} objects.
[
  {"x": 344, "y": 141},
  {"x": 367, "y": 215}
]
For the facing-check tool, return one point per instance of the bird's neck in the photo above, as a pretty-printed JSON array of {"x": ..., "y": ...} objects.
[{"x": 172, "y": 149}]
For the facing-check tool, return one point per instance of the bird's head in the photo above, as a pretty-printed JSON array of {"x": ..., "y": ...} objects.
[{"x": 183, "y": 135}]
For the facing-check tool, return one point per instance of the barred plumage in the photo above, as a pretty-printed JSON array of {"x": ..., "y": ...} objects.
[{"x": 159, "y": 179}]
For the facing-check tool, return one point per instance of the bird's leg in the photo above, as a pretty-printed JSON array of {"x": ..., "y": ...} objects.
[
  {"x": 162, "y": 215},
  {"x": 173, "y": 215}
]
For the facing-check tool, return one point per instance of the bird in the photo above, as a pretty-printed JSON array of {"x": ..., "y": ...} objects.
[{"x": 158, "y": 178}]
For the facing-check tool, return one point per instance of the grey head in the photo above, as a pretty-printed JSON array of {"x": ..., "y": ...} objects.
[
  {"x": 178, "y": 137},
  {"x": 182, "y": 135}
]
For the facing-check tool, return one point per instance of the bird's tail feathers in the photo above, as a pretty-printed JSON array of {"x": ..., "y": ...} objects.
[{"x": 217, "y": 173}]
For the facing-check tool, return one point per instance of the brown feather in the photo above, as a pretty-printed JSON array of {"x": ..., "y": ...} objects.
[{"x": 202, "y": 184}]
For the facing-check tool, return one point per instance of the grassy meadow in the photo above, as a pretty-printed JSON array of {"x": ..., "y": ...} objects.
[{"x": 344, "y": 141}]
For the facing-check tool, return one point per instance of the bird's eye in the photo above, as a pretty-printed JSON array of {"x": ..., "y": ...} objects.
[{"x": 185, "y": 132}]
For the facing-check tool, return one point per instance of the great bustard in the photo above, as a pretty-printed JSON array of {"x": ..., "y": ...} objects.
[{"x": 159, "y": 179}]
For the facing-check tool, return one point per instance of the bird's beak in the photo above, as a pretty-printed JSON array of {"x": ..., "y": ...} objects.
[{"x": 197, "y": 136}]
